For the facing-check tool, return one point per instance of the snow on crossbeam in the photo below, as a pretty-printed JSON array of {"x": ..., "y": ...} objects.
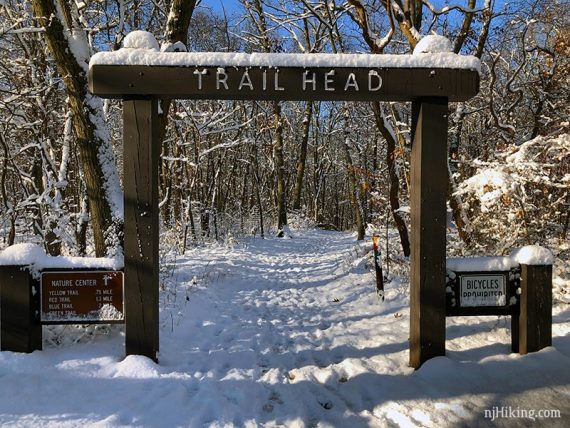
[
  {"x": 529, "y": 255},
  {"x": 34, "y": 258},
  {"x": 129, "y": 56},
  {"x": 222, "y": 75}
]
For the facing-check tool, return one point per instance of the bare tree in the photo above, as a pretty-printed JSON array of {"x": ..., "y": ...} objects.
[{"x": 68, "y": 44}]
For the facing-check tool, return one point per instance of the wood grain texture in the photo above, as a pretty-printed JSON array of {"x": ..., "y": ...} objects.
[
  {"x": 20, "y": 330},
  {"x": 398, "y": 84},
  {"x": 428, "y": 222},
  {"x": 535, "y": 320},
  {"x": 141, "y": 234}
]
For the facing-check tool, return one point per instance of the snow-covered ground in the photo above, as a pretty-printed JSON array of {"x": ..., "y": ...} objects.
[{"x": 285, "y": 332}]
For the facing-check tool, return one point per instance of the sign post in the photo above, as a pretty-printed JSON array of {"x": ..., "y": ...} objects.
[
  {"x": 19, "y": 329},
  {"x": 378, "y": 266},
  {"x": 535, "y": 320},
  {"x": 141, "y": 152},
  {"x": 428, "y": 197}
]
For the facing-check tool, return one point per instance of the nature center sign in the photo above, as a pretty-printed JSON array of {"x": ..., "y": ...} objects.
[{"x": 141, "y": 75}]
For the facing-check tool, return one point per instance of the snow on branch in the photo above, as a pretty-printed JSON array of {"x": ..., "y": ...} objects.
[{"x": 447, "y": 9}]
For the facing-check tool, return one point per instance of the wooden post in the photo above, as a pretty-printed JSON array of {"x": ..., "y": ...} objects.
[
  {"x": 378, "y": 266},
  {"x": 141, "y": 157},
  {"x": 515, "y": 336},
  {"x": 429, "y": 89},
  {"x": 535, "y": 320},
  {"x": 20, "y": 330},
  {"x": 428, "y": 206}
]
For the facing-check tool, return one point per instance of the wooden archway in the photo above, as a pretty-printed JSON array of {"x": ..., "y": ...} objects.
[{"x": 141, "y": 77}]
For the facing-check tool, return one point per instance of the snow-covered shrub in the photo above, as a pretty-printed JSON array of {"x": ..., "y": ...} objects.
[{"x": 522, "y": 198}]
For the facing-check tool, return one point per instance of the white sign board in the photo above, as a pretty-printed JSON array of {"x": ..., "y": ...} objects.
[{"x": 482, "y": 290}]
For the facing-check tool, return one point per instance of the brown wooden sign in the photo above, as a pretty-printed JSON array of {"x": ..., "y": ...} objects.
[
  {"x": 285, "y": 83},
  {"x": 81, "y": 297}
]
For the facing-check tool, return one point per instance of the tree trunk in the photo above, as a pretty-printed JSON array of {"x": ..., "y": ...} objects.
[
  {"x": 455, "y": 203},
  {"x": 460, "y": 39},
  {"x": 95, "y": 151},
  {"x": 352, "y": 185},
  {"x": 302, "y": 156},
  {"x": 278, "y": 123},
  {"x": 394, "y": 179},
  {"x": 280, "y": 167},
  {"x": 176, "y": 31}
]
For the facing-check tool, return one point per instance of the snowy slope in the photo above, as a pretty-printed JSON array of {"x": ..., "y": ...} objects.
[{"x": 284, "y": 332}]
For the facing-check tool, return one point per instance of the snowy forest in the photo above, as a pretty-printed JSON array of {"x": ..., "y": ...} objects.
[
  {"x": 248, "y": 168},
  {"x": 269, "y": 308}
]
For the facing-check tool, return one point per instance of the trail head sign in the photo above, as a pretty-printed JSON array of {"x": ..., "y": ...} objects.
[
  {"x": 77, "y": 297},
  {"x": 141, "y": 77}
]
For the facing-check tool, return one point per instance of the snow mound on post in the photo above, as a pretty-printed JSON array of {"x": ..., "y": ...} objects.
[
  {"x": 140, "y": 40},
  {"x": 433, "y": 44},
  {"x": 173, "y": 47},
  {"x": 533, "y": 255},
  {"x": 34, "y": 258},
  {"x": 21, "y": 254}
]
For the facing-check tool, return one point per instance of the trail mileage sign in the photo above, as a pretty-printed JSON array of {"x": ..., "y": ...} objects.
[{"x": 81, "y": 297}]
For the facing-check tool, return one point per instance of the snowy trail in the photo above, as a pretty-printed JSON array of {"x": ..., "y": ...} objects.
[{"x": 286, "y": 332}]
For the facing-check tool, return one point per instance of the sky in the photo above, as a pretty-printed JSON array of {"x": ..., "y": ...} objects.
[{"x": 232, "y": 5}]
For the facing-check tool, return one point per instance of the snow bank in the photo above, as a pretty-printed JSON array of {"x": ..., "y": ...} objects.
[
  {"x": 228, "y": 59},
  {"x": 529, "y": 255},
  {"x": 142, "y": 49},
  {"x": 34, "y": 257},
  {"x": 21, "y": 254},
  {"x": 278, "y": 332}
]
